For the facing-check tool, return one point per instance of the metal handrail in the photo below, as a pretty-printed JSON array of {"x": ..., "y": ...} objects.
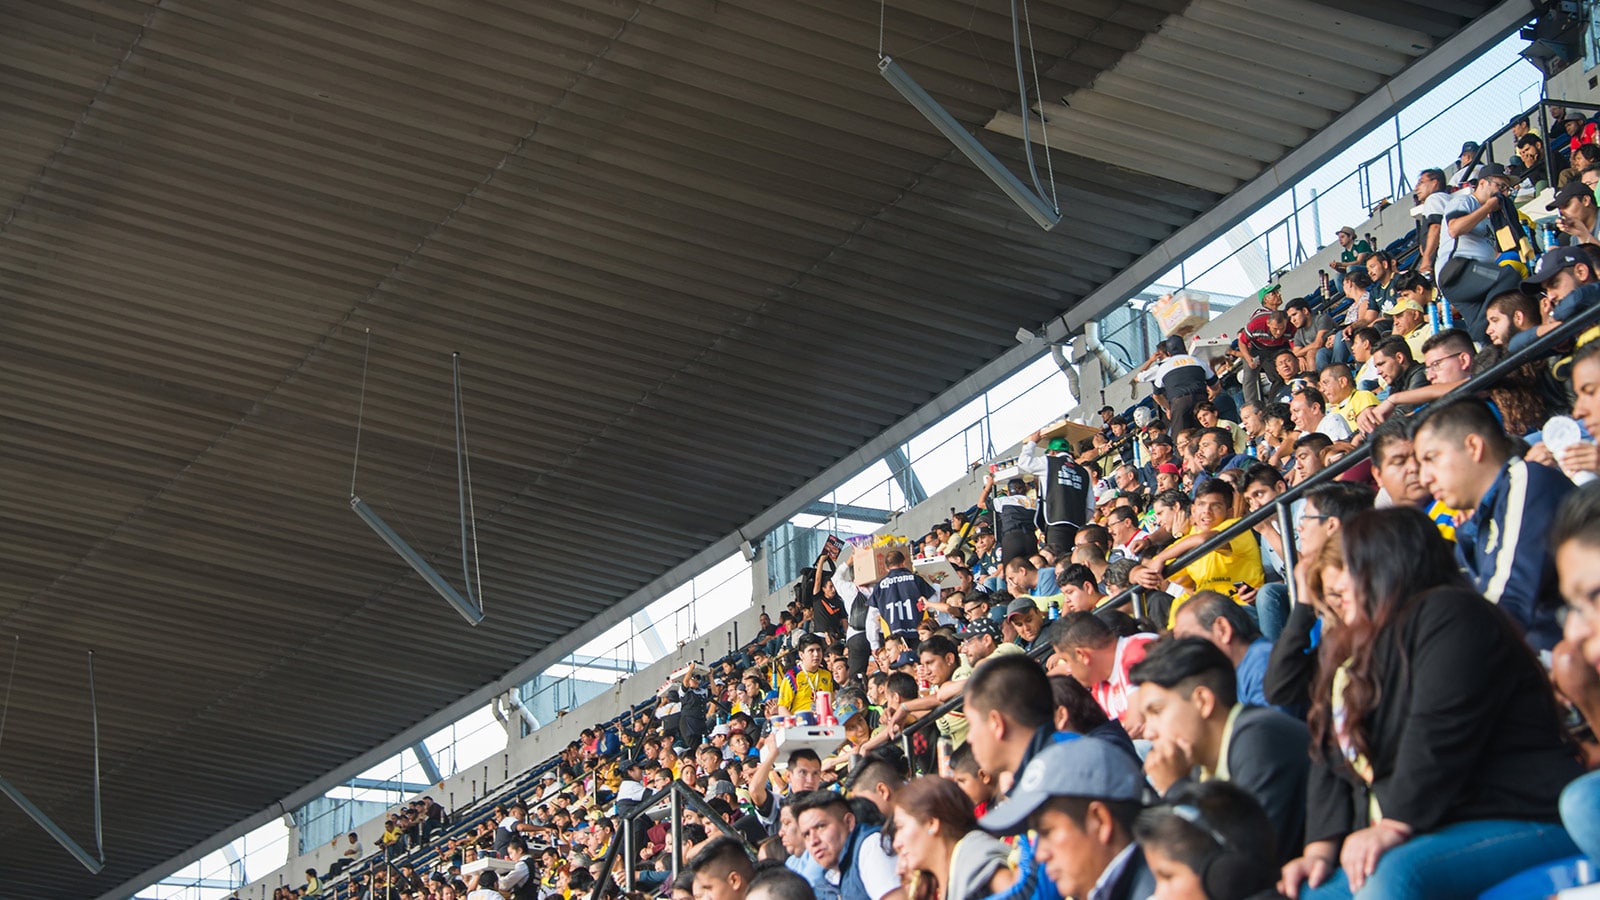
[
  {"x": 1321, "y": 195},
  {"x": 678, "y": 794},
  {"x": 1280, "y": 504}
]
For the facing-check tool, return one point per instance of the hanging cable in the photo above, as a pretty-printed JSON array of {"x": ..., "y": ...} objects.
[
  {"x": 882, "y": 10},
  {"x": 94, "y": 725},
  {"x": 361, "y": 409},
  {"x": 1022, "y": 92},
  {"x": 469, "y": 522},
  {"x": 1044, "y": 127},
  {"x": 5, "y": 711}
]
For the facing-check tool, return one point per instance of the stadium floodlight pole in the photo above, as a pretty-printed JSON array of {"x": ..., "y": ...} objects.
[
  {"x": 471, "y": 613},
  {"x": 1043, "y": 213}
]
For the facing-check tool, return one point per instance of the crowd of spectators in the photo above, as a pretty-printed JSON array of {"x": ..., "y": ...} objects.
[{"x": 1391, "y": 697}]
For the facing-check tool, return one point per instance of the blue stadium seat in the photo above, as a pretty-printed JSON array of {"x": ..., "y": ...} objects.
[{"x": 1542, "y": 881}]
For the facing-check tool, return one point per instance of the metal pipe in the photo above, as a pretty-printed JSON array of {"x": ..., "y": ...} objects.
[
  {"x": 1058, "y": 353},
  {"x": 523, "y": 710},
  {"x": 472, "y": 614},
  {"x": 699, "y": 805},
  {"x": 675, "y": 813},
  {"x": 51, "y": 828},
  {"x": 1110, "y": 367},
  {"x": 1286, "y": 533},
  {"x": 1030, "y": 202},
  {"x": 629, "y": 854}
]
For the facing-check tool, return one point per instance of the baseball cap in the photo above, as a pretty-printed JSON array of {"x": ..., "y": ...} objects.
[
  {"x": 1077, "y": 767},
  {"x": 1489, "y": 170},
  {"x": 1401, "y": 305},
  {"x": 1019, "y": 605},
  {"x": 1169, "y": 469},
  {"x": 981, "y": 627},
  {"x": 845, "y": 708},
  {"x": 1469, "y": 147},
  {"x": 906, "y": 658},
  {"x": 1567, "y": 193},
  {"x": 1060, "y": 443},
  {"x": 1554, "y": 261},
  {"x": 1105, "y": 494},
  {"x": 1262, "y": 294},
  {"x": 1575, "y": 117}
]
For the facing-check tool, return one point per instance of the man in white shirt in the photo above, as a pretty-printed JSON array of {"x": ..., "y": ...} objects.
[
  {"x": 487, "y": 883},
  {"x": 518, "y": 883},
  {"x": 1309, "y": 410},
  {"x": 1432, "y": 198}
]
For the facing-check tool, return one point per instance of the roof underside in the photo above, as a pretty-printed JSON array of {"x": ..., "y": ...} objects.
[{"x": 692, "y": 253}]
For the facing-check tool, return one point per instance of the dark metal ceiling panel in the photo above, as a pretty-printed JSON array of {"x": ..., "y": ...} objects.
[{"x": 693, "y": 254}]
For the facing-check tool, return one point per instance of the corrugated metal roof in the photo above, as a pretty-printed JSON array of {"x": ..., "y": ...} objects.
[{"x": 693, "y": 253}]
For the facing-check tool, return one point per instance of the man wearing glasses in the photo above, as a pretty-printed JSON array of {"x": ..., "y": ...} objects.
[{"x": 1447, "y": 360}]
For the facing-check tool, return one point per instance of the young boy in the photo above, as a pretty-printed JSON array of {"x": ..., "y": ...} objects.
[{"x": 977, "y": 784}]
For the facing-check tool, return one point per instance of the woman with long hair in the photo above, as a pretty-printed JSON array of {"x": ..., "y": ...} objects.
[
  {"x": 1437, "y": 751},
  {"x": 936, "y": 838}
]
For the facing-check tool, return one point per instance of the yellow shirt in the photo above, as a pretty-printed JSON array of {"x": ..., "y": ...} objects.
[
  {"x": 1354, "y": 404},
  {"x": 1418, "y": 336},
  {"x": 1217, "y": 571},
  {"x": 954, "y": 725},
  {"x": 797, "y": 688}
]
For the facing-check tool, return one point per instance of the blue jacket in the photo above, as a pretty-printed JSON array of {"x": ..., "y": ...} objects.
[
  {"x": 850, "y": 887},
  {"x": 1503, "y": 548},
  {"x": 1032, "y": 883}
]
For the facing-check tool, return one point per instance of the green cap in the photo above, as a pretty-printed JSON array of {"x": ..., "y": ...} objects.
[
  {"x": 1060, "y": 443},
  {"x": 1262, "y": 294}
]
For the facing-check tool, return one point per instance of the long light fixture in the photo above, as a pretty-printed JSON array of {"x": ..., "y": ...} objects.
[
  {"x": 471, "y": 613},
  {"x": 1032, "y": 204}
]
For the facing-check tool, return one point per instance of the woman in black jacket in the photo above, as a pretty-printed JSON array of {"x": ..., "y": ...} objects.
[{"x": 1437, "y": 752}]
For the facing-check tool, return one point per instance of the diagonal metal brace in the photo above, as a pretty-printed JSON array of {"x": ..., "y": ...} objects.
[
  {"x": 44, "y": 821},
  {"x": 471, "y": 613},
  {"x": 40, "y": 818}
]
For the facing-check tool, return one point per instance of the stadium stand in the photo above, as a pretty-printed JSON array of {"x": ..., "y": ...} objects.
[{"x": 1393, "y": 569}]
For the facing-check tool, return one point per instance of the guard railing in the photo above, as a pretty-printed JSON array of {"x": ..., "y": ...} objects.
[{"x": 1280, "y": 506}]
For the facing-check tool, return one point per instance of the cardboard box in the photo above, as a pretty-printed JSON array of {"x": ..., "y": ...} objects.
[
  {"x": 937, "y": 570},
  {"x": 1076, "y": 432},
  {"x": 868, "y": 562},
  {"x": 1182, "y": 313}
]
